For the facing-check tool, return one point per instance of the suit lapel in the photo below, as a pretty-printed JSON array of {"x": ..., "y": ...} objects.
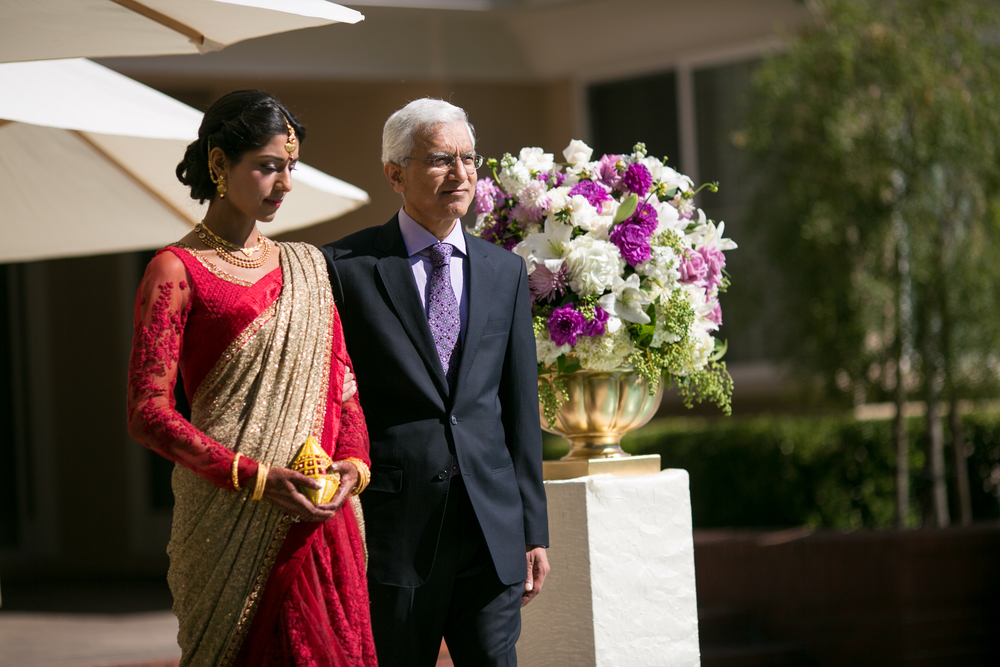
[
  {"x": 480, "y": 279},
  {"x": 397, "y": 276}
]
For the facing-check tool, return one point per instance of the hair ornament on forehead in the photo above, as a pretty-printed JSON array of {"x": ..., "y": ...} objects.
[{"x": 292, "y": 139}]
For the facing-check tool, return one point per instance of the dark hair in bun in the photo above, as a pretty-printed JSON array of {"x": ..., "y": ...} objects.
[{"x": 241, "y": 121}]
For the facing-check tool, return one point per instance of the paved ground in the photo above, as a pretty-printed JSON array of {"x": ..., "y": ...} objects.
[
  {"x": 36, "y": 639},
  {"x": 117, "y": 623}
]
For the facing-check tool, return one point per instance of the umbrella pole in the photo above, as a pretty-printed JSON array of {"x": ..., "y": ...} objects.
[
  {"x": 164, "y": 20},
  {"x": 129, "y": 175}
]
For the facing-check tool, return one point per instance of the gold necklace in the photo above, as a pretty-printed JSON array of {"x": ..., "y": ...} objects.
[
  {"x": 225, "y": 248},
  {"x": 202, "y": 227}
]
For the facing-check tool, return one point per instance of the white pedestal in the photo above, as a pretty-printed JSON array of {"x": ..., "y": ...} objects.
[{"x": 622, "y": 589}]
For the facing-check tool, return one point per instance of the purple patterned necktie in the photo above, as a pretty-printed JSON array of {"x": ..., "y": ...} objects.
[{"x": 442, "y": 310}]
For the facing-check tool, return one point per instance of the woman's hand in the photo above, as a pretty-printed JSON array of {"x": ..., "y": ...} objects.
[
  {"x": 281, "y": 490},
  {"x": 348, "y": 480},
  {"x": 350, "y": 386}
]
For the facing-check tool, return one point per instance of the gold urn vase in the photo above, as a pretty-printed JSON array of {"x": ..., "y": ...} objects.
[{"x": 603, "y": 406}]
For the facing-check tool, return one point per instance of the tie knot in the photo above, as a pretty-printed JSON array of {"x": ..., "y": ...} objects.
[{"x": 441, "y": 253}]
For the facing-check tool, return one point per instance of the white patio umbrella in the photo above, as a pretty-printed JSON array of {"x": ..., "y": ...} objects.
[
  {"x": 46, "y": 29},
  {"x": 87, "y": 160}
]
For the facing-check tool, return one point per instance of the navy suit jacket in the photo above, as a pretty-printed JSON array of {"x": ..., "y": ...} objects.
[{"x": 415, "y": 424}]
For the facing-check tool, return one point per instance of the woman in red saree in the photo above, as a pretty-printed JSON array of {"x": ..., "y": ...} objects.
[{"x": 259, "y": 574}]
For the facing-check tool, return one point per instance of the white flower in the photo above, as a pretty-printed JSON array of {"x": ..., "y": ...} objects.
[
  {"x": 586, "y": 217},
  {"x": 547, "y": 351},
  {"x": 667, "y": 218},
  {"x": 548, "y": 247},
  {"x": 530, "y": 228},
  {"x": 535, "y": 159},
  {"x": 673, "y": 179},
  {"x": 577, "y": 153},
  {"x": 558, "y": 198},
  {"x": 706, "y": 233},
  {"x": 702, "y": 349},
  {"x": 593, "y": 265},
  {"x": 660, "y": 270},
  {"x": 514, "y": 178},
  {"x": 628, "y": 301},
  {"x": 603, "y": 353}
]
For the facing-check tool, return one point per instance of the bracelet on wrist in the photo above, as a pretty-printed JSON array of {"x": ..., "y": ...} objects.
[
  {"x": 258, "y": 489},
  {"x": 236, "y": 472},
  {"x": 364, "y": 474}
]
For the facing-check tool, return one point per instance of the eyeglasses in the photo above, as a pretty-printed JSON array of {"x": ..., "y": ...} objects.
[{"x": 447, "y": 162}]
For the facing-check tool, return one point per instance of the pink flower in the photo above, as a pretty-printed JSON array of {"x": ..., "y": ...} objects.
[
  {"x": 545, "y": 285},
  {"x": 715, "y": 261},
  {"x": 488, "y": 196},
  {"x": 716, "y": 314},
  {"x": 693, "y": 269},
  {"x": 607, "y": 173}
]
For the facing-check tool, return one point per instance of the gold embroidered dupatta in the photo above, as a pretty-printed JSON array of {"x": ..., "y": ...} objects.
[{"x": 263, "y": 398}]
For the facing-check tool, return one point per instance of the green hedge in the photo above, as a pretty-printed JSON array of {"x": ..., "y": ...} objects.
[{"x": 833, "y": 472}]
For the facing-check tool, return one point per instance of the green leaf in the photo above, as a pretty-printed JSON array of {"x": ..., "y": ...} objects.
[
  {"x": 566, "y": 367},
  {"x": 721, "y": 347},
  {"x": 626, "y": 209}
]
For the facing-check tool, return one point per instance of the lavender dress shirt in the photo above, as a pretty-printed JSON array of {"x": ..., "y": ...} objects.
[{"x": 418, "y": 242}]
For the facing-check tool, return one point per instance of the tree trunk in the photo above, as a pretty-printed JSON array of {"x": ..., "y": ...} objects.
[
  {"x": 903, "y": 353},
  {"x": 902, "y": 440},
  {"x": 935, "y": 446},
  {"x": 961, "y": 462}
]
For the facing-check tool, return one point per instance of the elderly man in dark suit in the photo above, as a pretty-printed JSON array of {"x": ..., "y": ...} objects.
[{"x": 438, "y": 325}]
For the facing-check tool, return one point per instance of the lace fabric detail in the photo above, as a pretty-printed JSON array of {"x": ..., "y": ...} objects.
[{"x": 162, "y": 310}]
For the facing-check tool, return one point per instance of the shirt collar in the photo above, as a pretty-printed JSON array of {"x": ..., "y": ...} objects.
[{"x": 417, "y": 238}]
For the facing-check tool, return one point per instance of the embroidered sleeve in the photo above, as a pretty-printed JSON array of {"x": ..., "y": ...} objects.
[
  {"x": 161, "y": 310},
  {"x": 352, "y": 439}
]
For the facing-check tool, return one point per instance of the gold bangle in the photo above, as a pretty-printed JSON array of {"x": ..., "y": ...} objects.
[
  {"x": 258, "y": 489},
  {"x": 236, "y": 472},
  {"x": 364, "y": 475}
]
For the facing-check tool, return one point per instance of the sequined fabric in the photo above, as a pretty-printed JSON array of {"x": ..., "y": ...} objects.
[{"x": 194, "y": 317}]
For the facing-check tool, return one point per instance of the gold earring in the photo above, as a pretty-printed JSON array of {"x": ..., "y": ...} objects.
[{"x": 220, "y": 185}]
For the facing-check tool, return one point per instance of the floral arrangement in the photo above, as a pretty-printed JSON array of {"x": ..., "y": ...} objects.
[{"x": 623, "y": 268}]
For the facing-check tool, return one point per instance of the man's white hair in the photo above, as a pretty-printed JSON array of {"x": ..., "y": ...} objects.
[{"x": 417, "y": 117}]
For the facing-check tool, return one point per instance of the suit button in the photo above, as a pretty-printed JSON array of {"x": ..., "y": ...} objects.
[
  {"x": 454, "y": 420},
  {"x": 441, "y": 476}
]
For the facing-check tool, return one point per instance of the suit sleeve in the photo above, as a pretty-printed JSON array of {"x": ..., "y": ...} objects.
[
  {"x": 519, "y": 405},
  {"x": 329, "y": 253}
]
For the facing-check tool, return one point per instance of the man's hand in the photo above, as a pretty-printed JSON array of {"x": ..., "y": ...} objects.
[
  {"x": 538, "y": 569},
  {"x": 350, "y": 386}
]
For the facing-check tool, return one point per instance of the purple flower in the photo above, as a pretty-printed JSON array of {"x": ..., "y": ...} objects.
[
  {"x": 715, "y": 261},
  {"x": 592, "y": 192},
  {"x": 607, "y": 173},
  {"x": 637, "y": 179},
  {"x": 632, "y": 241},
  {"x": 565, "y": 324},
  {"x": 545, "y": 285},
  {"x": 553, "y": 178},
  {"x": 645, "y": 218},
  {"x": 510, "y": 243},
  {"x": 495, "y": 233},
  {"x": 488, "y": 196},
  {"x": 693, "y": 269},
  {"x": 595, "y": 327}
]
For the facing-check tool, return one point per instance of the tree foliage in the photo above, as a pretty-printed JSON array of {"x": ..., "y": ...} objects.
[{"x": 880, "y": 128}]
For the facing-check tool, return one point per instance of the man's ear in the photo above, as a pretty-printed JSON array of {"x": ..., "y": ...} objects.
[{"x": 395, "y": 174}]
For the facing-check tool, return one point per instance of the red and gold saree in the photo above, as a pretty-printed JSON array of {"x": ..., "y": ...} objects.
[{"x": 263, "y": 365}]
